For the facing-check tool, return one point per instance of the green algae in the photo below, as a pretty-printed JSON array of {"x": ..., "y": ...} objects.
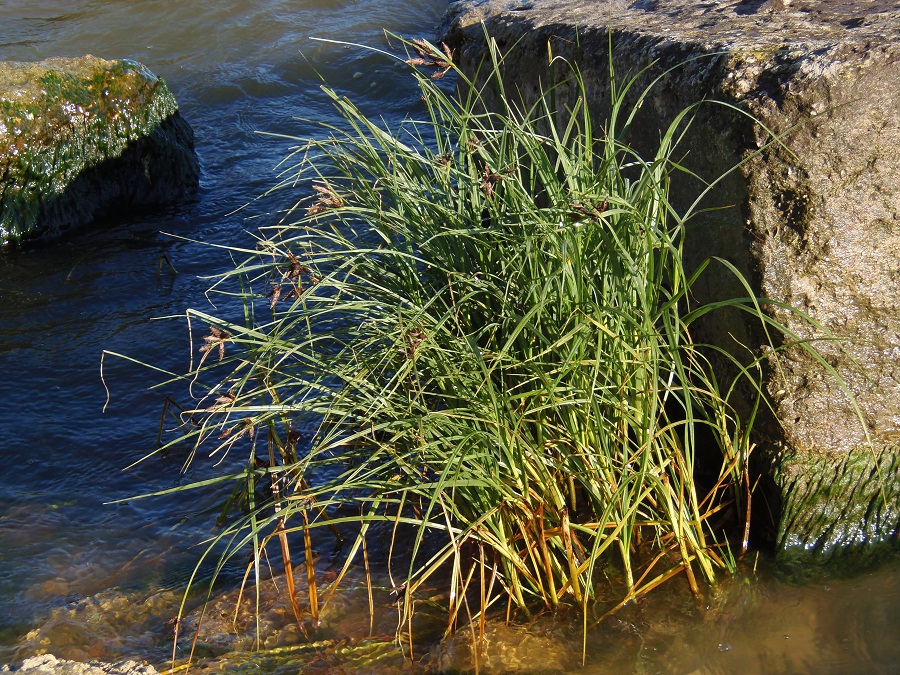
[
  {"x": 61, "y": 117},
  {"x": 843, "y": 512}
]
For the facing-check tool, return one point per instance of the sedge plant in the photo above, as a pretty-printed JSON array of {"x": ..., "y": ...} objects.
[{"x": 472, "y": 335}]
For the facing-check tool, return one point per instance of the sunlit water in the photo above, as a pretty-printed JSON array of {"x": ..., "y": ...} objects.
[{"x": 83, "y": 578}]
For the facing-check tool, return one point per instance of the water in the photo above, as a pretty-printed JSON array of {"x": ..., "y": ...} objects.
[
  {"x": 84, "y": 578},
  {"x": 236, "y": 68}
]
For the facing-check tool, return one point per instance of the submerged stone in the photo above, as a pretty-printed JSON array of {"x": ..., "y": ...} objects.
[
  {"x": 84, "y": 137},
  {"x": 812, "y": 219}
]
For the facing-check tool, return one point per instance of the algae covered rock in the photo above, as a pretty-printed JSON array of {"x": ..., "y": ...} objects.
[
  {"x": 85, "y": 137},
  {"x": 812, "y": 220}
]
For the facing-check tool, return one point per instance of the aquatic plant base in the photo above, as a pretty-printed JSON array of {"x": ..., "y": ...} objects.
[
  {"x": 812, "y": 221},
  {"x": 81, "y": 138},
  {"x": 752, "y": 623}
]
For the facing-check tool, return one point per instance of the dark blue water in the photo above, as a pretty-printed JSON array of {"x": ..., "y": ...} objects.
[{"x": 237, "y": 68}]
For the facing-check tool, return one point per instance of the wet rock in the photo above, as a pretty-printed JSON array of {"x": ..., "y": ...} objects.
[
  {"x": 82, "y": 138},
  {"x": 812, "y": 220},
  {"x": 111, "y": 625},
  {"x": 50, "y": 665}
]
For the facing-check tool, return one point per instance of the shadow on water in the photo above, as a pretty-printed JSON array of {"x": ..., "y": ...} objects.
[{"x": 84, "y": 578}]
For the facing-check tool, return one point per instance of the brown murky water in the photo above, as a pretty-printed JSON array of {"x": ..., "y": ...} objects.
[
  {"x": 85, "y": 579},
  {"x": 753, "y": 624}
]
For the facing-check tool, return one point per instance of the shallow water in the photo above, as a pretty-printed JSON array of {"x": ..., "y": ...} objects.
[{"x": 84, "y": 578}]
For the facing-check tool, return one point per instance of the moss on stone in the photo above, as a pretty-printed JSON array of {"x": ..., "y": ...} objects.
[
  {"x": 61, "y": 117},
  {"x": 838, "y": 508}
]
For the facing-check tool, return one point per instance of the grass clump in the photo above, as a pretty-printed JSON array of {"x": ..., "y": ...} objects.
[{"x": 471, "y": 338}]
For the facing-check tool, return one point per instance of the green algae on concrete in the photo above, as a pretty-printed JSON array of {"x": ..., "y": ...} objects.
[{"x": 81, "y": 137}]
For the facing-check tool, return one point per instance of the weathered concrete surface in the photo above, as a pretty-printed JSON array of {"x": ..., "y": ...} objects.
[
  {"x": 50, "y": 665},
  {"x": 80, "y": 138},
  {"x": 814, "y": 221}
]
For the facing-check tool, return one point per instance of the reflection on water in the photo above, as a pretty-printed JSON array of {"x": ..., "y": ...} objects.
[{"x": 82, "y": 577}]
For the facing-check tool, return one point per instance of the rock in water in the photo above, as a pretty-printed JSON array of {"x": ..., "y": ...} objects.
[
  {"x": 813, "y": 220},
  {"x": 85, "y": 137},
  {"x": 48, "y": 664}
]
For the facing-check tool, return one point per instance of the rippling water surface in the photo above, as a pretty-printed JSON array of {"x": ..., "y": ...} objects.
[
  {"x": 237, "y": 68},
  {"x": 69, "y": 558}
]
